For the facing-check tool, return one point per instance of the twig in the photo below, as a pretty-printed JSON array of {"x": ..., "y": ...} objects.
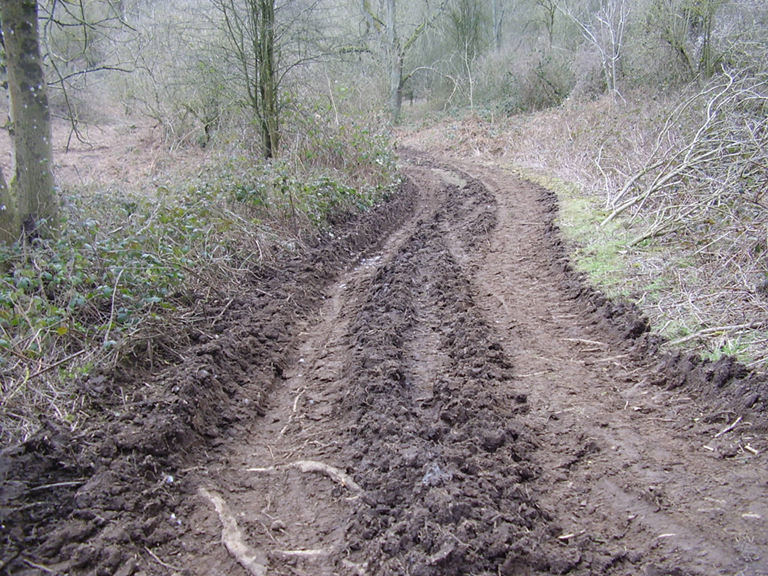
[
  {"x": 252, "y": 560},
  {"x": 583, "y": 341},
  {"x": 38, "y": 566},
  {"x": 112, "y": 309},
  {"x": 296, "y": 401},
  {"x": 57, "y": 485},
  {"x": 611, "y": 359},
  {"x": 532, "y": 374},
  {"x": 707, "y": 331},
  {"x": 218, "y": 292},
  {"x": 165, "y": 564},
  {"x": 57, "y": 364},
  {"x": 312, "y": 466},
  {"x": 728, "y": 428}
]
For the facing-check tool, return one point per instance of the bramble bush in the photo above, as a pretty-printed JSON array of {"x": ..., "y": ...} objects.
[{"x": 129, "y": 268}]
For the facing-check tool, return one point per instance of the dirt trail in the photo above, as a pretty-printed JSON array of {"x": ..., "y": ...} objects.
[
  {"x": 459, "y": 403},
  {"x": 494, "y": 420}
]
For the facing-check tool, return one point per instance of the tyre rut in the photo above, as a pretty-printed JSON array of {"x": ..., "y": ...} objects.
[
  {"x": 485, "y": 408},
  {"x": 626, "y": 472}
]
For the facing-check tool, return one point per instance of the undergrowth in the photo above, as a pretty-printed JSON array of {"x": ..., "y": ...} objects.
[{"x": 125, "y": 279}]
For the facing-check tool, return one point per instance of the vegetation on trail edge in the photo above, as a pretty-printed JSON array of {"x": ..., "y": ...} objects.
[
  {"x": 131, "y": 272},
  {"x": 661, "y": 199}
]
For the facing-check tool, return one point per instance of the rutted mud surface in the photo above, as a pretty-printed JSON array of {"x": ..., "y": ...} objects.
[{"x": 446, "y": 398}]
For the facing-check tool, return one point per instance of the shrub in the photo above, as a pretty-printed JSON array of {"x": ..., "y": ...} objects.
[
  {"x": 536, "y": 80},
  {"x": 129, "y": 269}
]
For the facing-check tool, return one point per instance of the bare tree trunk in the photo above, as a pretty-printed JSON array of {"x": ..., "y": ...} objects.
[
  {"x": 249, "y": 27},
  {"x": 391, "y": 48},
  {"x": 550, "y": 11},
  {"x": 395, "y": 63},
  {"x": 605, "y": 30},
  {"x": 498, "y": 20},
  {"x": 707, "y": 56},
  {"x": 32, "y": 180},
  {"x": 270, "y": 126}
]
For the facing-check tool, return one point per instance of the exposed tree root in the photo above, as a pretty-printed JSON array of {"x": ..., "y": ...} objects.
[
  {"x": 312, "y": 466},
  {"x": 253, "y": 561},
  {"x": 304, "y": 554}
]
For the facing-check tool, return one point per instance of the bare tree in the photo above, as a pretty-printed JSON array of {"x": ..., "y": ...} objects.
[
  {"x": 249, "y": 27},
  {"x": 467, "y": 25},
  {"x": 467, "y": 19},
  {"x": 383, "y": 28},
  {"x": 265, "y": 42},
  {"x": 31, "y": 185},
  {"x": 549, "y": 9},
  {"x": 699, "y": 16},
  {"x": 604, "y": 28},
  {"x": 688, "y": 28},
  {"x": 79, "y": 38}
]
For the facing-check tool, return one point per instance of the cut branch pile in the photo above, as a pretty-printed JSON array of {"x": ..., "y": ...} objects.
[
  {"x": 717, "y": 172},
  {"x": 700, "y": 202}
]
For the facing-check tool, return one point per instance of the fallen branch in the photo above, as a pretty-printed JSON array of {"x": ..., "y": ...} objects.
[
  {"x": 305, "y": 554},
  {"x": 708, "y": 331},
  {"x": 57, "y": 485},
  {"x": 584, "y": 341},
  {"x": 728, "y": 428},
  {"x": 312, "y": 466},
  {"x": 252, "y": 560}
]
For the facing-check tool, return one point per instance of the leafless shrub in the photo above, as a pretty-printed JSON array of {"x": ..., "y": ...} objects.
[
  {"x": 700, "y": 196},
  {"x": 532, "y": 79},
  {"x": 718, "y": 170}
]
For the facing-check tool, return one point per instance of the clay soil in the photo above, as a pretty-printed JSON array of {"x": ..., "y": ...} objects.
[{"x": 432, "y": 392}]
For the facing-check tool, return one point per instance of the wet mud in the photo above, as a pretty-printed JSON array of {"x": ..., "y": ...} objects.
[{"x": 435, "y": 392}]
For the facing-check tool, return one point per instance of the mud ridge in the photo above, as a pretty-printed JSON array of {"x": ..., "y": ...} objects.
[
  {"x": 724, "y": 385},
  {"x": 440, "y": 450},
  {"x": 430, "y": 454},
  {"x": 62, "y": 495}
]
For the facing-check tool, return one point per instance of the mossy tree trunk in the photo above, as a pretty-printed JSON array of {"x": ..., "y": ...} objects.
[
  {"x": 270, "y": 115},
  {"x": 31, "y": 183}
]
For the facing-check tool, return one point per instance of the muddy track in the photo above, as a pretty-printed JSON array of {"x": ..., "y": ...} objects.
[
  {"x": 460, "y": 403},
  {"x": 496, "y": 416}
]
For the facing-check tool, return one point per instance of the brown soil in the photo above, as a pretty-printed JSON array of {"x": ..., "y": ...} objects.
[{"x": 434, "y": 392}]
